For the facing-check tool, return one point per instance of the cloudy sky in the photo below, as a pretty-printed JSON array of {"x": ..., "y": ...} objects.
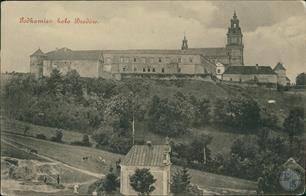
[{"x": 273, "y": 31}]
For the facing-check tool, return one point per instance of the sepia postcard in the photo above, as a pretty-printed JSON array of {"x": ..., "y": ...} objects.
[{"x": 179, "y": 98}]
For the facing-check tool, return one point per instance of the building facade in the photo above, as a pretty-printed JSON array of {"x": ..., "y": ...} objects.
[
  {"x": 156, "y": 158},
  {"x": 115, "y": 63},
  {"x": 282, "y": 78},
  {"x": 256, "y": 74}
]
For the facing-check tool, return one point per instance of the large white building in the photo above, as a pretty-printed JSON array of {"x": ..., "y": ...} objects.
[{"x": 120, "y": 63}]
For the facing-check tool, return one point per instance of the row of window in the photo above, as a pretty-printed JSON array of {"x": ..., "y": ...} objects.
[
  {"x": 144, "y": 60},
  {"x": 149, "y": 70}
]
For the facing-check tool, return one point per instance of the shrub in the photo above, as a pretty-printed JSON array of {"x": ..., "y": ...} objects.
[
  {"x": 41, "y": 136},
  {"x": 80, "y": 143},
  {"x": 58, "y": 137}
]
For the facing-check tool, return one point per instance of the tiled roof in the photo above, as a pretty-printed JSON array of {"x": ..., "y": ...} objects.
[
  {"x": 38, "y": 53},
  {"x": 65, "y": 53},
  {"x": 209, "y": 51},
  {"x": 279, "y": 66},
  {"x": 145, "y": 155},
  {"x": 245, "y": 70},
  {"x": 149, "y": 51}
]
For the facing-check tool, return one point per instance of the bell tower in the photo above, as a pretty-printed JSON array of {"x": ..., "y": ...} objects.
[{"x": 234, "y": 44}]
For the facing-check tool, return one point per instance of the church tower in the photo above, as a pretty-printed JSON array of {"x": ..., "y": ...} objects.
[
  {"x": 234, "y": 44},
  {"x": 184, "y": 43}
]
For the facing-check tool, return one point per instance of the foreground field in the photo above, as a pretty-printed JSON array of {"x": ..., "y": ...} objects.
[{"x": 72, "y": 155}]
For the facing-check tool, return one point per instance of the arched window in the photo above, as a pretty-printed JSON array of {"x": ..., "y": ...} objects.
[
  {"x": 163, "y": 70},
  {"x": 135, "y": 59},
  {"x": 149, "y": 70},
  {"x": 153, "y": 70},
  {"x": 159, "y": 60},
  {"x": 144, "y": 70}
]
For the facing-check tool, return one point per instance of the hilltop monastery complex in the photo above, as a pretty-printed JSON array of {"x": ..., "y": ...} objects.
[{"x": 225, "y": 63}]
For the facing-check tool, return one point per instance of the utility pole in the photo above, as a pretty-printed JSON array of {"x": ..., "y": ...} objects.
[
  {"x": 133, "y": 126},
  {"x": 204, "y": 154},
  {"x": 133, "y": 119}
]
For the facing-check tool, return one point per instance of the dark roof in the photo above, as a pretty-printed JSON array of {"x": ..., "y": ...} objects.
[
  {"x": 249, "y": 70},
  {"x": 279, "y": 66},
  {"x": 38, "y": 53},
  {"x": 145, "y": 155},
  {"x": 209, "y": 51},
  {"x": 65, "y": 53}
]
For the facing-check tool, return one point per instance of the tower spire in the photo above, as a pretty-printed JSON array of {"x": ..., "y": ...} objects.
[{"x": 184, "y": 43}]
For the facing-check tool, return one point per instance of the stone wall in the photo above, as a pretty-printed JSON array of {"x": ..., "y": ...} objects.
[
  {"x": 86, "y": 68},
  {"x": 261, "y": 78},
  {"x": 179, "y": 76},
  {"x": 151, "y": 63}
]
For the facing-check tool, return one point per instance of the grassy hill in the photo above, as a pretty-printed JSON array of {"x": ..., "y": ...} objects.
[
  {"x": 72, "y": 155},
  {"x": 146, "y": 89}
]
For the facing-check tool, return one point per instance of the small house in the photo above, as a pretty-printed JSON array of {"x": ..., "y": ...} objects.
[{"x": 153, "y": 157}]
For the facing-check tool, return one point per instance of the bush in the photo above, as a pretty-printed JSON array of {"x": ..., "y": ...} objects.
[
  {"x": 41, "y": 136},
  {"x": 58, "y": 137},
  {"x": 85, "y": 140},
  {"x": 80, "y": 143}
]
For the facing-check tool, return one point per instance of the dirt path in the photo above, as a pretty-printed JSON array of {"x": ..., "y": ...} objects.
[{"x": 56, "y": 161}]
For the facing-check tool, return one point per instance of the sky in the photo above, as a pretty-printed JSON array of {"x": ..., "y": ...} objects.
[{"x": 273, "y": 31}]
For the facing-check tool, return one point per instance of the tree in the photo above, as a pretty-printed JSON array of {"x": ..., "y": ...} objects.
[
  {"x": 118, "y": 114},
  {"x": 294, "y": 123},
  {"x": 240, "y": 113},
  {"x": 72, "y": 83},
  {"x": 170, "y": 117},
  {"x": 58, "y": 136},
  {"x": 201, "y": 110},
  {"x": 301, "y": 79},
  {"x": 85, "y": 140},
  {"x": 142, "y": 181},
  {"x": 262, "y": 137},
  {"x": 199, "y": 150},
  {"x": 55, "y": 82},
  {"x": 26, "y": 129},
  {"x": 110, "y": 183},
  {"x": 180, "y": 182}
]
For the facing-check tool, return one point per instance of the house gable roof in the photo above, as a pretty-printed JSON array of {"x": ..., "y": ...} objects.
[
  {"x": 246, "y": 70},
  {"x": 279, "y": 66},
  {"x": 38, "y": 52},
  {"x": 145, "y": 155}
]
